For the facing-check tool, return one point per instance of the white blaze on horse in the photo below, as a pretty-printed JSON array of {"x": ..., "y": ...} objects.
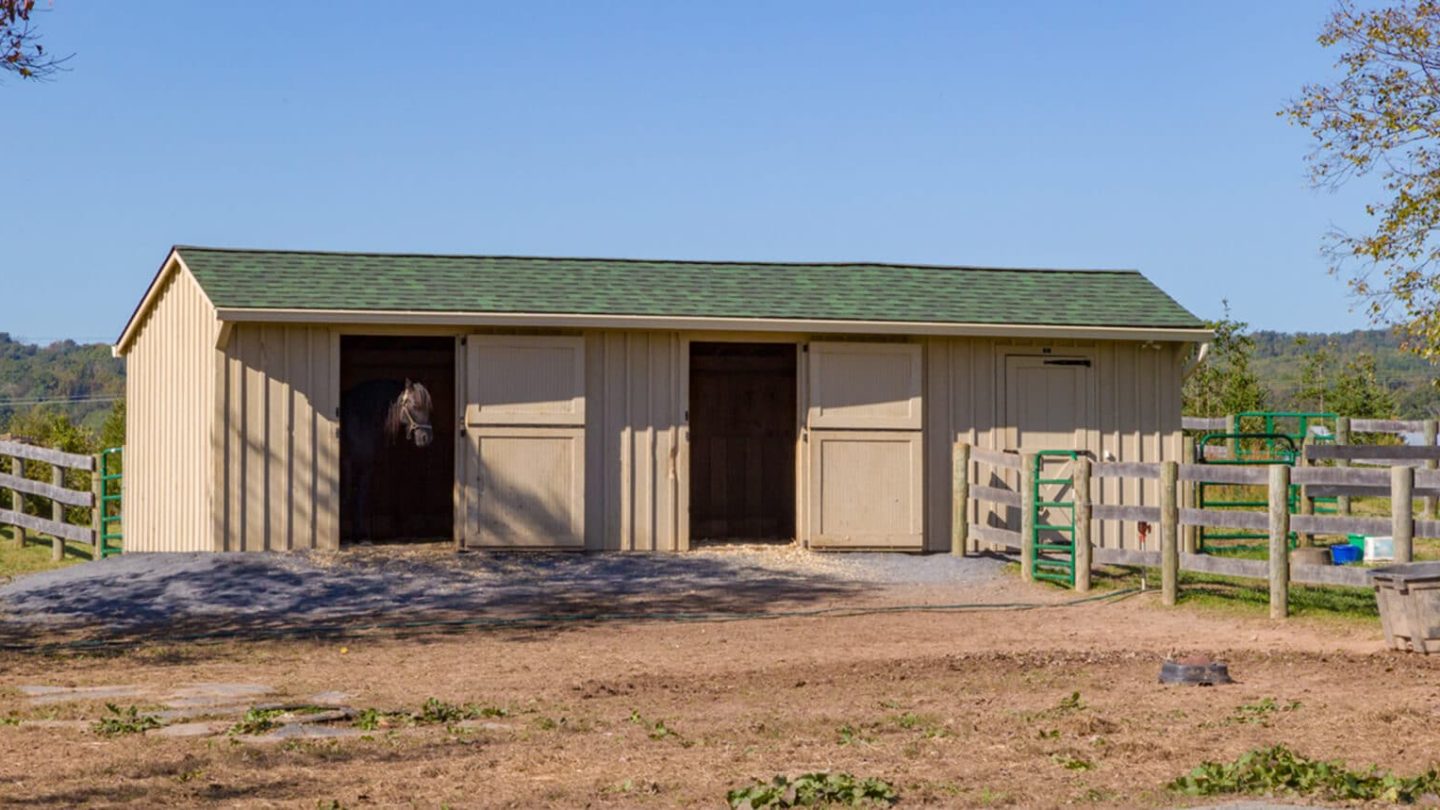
[{"x": 373, "y": 415}]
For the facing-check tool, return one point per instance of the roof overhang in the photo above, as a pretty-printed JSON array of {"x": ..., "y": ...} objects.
[{"x": 581, "y": 321}]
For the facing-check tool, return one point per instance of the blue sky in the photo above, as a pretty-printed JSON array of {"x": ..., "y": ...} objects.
[{"x": 1116, "y": 134}]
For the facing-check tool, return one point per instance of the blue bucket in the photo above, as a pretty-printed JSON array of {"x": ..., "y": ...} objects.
[{"x": 1345, "y": 553}]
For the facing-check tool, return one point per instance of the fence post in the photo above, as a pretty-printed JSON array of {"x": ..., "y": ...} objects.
[
  {"x": 1027, "y": 516},
  {"x": 1082, "y": 524},
  {"x": 1279, "y": 541},
  {"x": 1430, "y": 502},
  {"x": 1232, "y": 426},
  {"x": 97, "y": 514},
  {"x": 1342, "y": 437},
  {"x": 1188, "y": 534},
  {"x": 960, "y": 500},
  {"x": 1169, "y": 533},
  {"x": 18, "y": 501},
  {"x": 57, "y": 513},
  {"x": 1402, "y": 515}
]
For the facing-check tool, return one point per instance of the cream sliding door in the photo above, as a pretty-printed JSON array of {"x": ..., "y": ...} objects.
[
  {"x": 865, "y": 445},
  {"x": 525, "y": 422}
]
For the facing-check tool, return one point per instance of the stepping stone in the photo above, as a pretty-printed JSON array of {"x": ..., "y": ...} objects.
[
  {"x": 202, "y": 729},
  {"x": 216, "y": 694},
  {"x": 193, "y": 712},
  {"x": 68, "y": 694},
  {"x": 303, "y": 731},
  {"x": 315, "y": 718}
]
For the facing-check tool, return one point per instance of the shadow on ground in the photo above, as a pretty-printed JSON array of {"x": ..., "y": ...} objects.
[{"x": 198, "y": 596}]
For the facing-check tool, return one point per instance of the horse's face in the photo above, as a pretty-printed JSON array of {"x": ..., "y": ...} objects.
[{"x": 415, "y": 411}]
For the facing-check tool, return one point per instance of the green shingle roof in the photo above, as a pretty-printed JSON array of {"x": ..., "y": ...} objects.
[{"x": 839, "y": 291}]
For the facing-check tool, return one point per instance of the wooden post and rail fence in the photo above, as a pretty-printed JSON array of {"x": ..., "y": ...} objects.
[
  {"x": 1400, "y": 481},
  {"x": 15, "y": 457}
]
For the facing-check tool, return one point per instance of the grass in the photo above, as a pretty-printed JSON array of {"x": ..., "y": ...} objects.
[
  {"x": 1280, "y": 771},
  {"x": 35, "y": 556},
  {"x": 1249, "y": 595},
  {"x": 1367, "y": 506}
]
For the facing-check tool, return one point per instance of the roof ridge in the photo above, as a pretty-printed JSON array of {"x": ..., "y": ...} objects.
[{"x": 723, "y": 262}]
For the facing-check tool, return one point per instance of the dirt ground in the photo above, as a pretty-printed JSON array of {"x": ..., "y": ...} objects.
[{"x": 955, "y": 708}]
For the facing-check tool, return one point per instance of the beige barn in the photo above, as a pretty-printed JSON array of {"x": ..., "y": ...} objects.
[{"x": 625, "y": 405}]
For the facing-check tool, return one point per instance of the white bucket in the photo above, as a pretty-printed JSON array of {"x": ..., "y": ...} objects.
[{"x": 1378, "y": 549}]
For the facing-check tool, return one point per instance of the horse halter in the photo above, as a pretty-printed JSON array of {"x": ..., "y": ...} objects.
[{"x": 411, "y": 423}]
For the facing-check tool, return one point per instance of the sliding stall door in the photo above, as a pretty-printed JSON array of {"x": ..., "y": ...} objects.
[
  {"x": 525, "y": 421},
  {"x": 865, "y": 446}
]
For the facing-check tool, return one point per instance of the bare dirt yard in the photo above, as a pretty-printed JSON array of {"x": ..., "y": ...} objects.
[{"x": 616, "y": 681}]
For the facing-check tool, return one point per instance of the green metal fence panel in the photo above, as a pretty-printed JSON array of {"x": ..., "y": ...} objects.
[
  {"x": 1247, "y": 449},
  {"x": 111, "y": 538},
  {"x": 1054, "y": 558}
]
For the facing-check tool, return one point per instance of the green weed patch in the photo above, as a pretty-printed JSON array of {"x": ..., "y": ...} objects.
[
  {"x": 1278, "y": 770},
  {"x": 812, "y": 790}
]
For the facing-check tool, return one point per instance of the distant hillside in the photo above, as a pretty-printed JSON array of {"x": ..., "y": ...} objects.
[
  {"x": 1278, "y": 362},
  {"x": 61, "y": 371}
]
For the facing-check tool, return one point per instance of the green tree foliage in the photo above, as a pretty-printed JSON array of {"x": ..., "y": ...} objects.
[
  {"x": 1381, "y": 117},
  {"x": 1226, "y": 383},
  {"x": 51, "y": 427},
  {"x": 1357, "y": 391},
  {"x": 112, "y": 431},
  {"x": 61, "y": 371},
  {"x": 1303, "y": 372},
  {"x": 1316, "y": 374}
]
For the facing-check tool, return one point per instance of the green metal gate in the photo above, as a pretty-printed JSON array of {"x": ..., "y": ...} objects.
[
  {"x": 1054, "y": 558},
  {"x": 111, "y": 527}
]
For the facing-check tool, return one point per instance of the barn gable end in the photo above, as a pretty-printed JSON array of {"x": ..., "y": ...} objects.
[{"x": 170, "y": 357}]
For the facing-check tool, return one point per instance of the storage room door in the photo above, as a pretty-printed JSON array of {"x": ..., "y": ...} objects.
[
  {"x": 1047, "y": 402},
  {"x": 525, "y": 421},
  {"x": 1047, "y": 408},
  {"x": 866, "y": 453}
]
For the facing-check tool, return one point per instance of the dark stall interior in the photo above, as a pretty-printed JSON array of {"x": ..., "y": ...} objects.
[
  {"x": 410, "y": 488},
  {"x": 743, "y": 427}
]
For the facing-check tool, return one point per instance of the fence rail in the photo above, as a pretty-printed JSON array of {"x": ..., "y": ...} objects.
[
  {"x": 1277, "y": 522},
  {"x": 1387, "y": 425},
  {"x": 1203, "y": 424},
  {"x": 57, "y": 493},
  {"x": 1363, "y": 453}
]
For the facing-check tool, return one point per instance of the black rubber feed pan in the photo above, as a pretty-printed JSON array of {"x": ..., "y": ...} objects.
[{"x": 1195, "y": 672}]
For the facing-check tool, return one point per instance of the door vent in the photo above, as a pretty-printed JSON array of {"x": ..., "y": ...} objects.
[{"x": 1085, "y": 363}]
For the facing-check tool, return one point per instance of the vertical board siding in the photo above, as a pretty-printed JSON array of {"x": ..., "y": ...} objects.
[
  {"x": 633, "y": 415},
  {"x": 169, "y": 406},
  {"x": 280, "y": 475},
  {"x": 252, "y": 461},
  {"x": 1135, "y": 411}
]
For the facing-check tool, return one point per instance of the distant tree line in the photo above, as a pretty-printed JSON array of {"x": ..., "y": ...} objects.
[
  {"x": 1363, "y": 374},
  {"x": 57, "y": 394}
]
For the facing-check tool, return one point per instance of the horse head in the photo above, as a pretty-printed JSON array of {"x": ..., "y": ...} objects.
[{"x": 414, "y": 411}]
